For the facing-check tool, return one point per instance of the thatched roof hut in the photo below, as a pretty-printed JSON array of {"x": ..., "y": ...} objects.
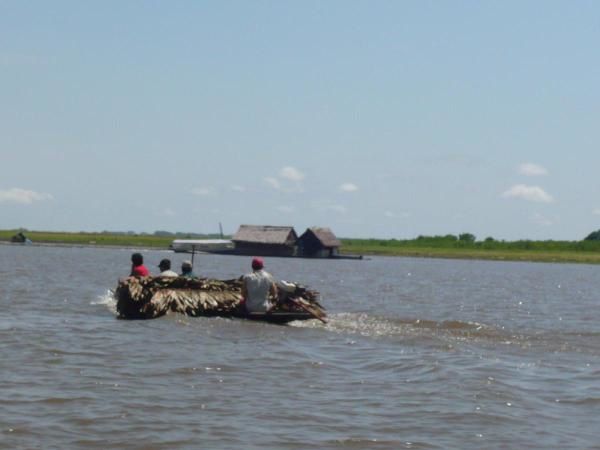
[
  {"x": 265, "y": 240},
  {"x": 318, "y": 242}
]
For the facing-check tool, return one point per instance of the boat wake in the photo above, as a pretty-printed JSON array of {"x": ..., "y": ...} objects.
[
  {"x": 108, "y": 300},
  {"x": 377, "y": 326},
  {"x": 444, "y": 334},
  {"x": 448, "y": 334}
]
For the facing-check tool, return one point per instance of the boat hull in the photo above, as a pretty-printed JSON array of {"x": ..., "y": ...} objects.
[{"x": 278, "y": 316}]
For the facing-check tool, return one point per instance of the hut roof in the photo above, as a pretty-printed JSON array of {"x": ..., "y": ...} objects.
[
  {"x": 325, "y": 236},
  {"x": 266, "y": 234}
]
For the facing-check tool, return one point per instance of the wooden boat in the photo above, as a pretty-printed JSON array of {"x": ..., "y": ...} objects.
[
  {"x": 279, "y": 316},
  {"x": 151, "y": 297}
]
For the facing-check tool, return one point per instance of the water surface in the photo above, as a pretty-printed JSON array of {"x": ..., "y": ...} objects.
[{"x": 418, "y": 353}]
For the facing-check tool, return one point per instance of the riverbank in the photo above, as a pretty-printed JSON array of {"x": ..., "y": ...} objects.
[
  {"x": 495, "y": 255},
  {"x": 92, "y": 239},
  {"x": 584, "y": 252}
]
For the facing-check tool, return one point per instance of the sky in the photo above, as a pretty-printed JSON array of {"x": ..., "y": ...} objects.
[{"x": 378, "y": 119}]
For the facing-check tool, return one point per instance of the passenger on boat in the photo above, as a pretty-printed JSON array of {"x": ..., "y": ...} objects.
[
  {"x": 257, "y": 287},
  {"x": 19, "y": 238},
  {"x": 165, "y": 268},
  {"x": 187, "y": 270},
  {"x": 137, "y": 266}
]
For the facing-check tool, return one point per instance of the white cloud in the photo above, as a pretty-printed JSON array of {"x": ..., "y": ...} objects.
[
  {"x": 203, "y": 191},
  {"x": 286, "y": 209},
  {"x": 23, "y": 196},
  {"x": 291, "y": 173},
  {"x": 532, "y": 170},
  {"x": 288, "y": 181},
  {"x": 529, "y": 193},
  {"x": 169, "y": 212},
  {"x": 273, "y": 182},
  {"x": 238, "y": 188},
  {"x": 348, "y": 187},
  {"x": 596, "y": 211}
]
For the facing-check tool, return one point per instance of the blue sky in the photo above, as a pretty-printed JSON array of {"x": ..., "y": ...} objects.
[{"x": 383, "y": 119}]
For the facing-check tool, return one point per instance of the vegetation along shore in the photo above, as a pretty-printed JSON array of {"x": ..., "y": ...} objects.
[{"x": 463, "y": 246}]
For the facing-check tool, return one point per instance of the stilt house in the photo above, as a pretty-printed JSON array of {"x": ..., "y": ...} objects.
[
  {"x": 317, "y": 242},
  {"x": 265, "y": 240}
]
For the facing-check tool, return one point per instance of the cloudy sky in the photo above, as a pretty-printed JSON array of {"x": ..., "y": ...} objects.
[{"x": 375, "y": 118}]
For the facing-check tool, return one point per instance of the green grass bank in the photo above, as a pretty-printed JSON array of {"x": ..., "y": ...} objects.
[
  {"x": 429, "y": 247},
  {"x": 542, "y": 251},
  {"x": 91, "y": 239}
]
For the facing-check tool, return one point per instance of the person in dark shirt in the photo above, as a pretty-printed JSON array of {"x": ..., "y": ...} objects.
[
  {"x": 165, "y": 268},
  {"x": 137, "y": 266}
]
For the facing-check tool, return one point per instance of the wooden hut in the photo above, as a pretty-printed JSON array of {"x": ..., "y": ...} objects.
[
  {"x": 318, "y": 242},
  {"x": 265, "y": 240}
]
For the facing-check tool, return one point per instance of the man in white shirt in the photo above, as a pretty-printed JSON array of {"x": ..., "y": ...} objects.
[
  {"x": 165, "y": 269},
  {"x": 256, "y": 288}
]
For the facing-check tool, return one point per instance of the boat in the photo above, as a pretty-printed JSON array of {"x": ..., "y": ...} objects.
[
  {"x": 201, "y": 245},
  {"x": 152, "y": 297},
  {"x": 20, "y": 238}
]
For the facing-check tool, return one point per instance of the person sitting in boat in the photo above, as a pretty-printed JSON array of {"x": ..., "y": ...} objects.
[
  {"x": 187, "y": 270},
  {"x": 165, "y": 268},
  {"x": 137, "y": 266},
  {"x": 19, "y": 238},
  {"x": 257, "y": 288}
]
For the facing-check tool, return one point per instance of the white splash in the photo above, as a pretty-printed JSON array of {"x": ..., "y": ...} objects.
[{"x": 108, "y": 300}]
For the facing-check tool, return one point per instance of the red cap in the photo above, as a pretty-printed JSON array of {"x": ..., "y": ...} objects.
[{"x": 257, "y": 263}]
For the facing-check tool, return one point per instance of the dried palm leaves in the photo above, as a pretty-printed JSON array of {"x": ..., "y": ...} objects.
[{"x": 150, "y": 297}]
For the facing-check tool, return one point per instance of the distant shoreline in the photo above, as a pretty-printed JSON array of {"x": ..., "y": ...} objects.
[
  {"x": 81, "y": 245},
  {"x": 490, "y": 255},
  {"x": 589, "y": 254}
]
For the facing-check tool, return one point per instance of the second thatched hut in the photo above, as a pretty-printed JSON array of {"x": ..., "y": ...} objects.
[{"x": 318, "y": 242}]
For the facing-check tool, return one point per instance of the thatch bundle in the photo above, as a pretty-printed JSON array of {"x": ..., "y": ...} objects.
[{"x": 150, "y": 297}]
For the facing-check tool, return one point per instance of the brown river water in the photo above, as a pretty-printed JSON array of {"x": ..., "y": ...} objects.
[{"x": 418, "y": 354}]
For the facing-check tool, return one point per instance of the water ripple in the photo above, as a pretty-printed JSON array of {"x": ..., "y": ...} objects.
[{"x": 457, "y": 355}]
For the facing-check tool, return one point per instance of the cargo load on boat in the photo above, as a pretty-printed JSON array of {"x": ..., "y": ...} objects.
[{"x": 151, "y": 297}]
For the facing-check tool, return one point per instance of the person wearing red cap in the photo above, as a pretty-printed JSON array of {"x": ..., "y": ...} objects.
[{"x": 257, "y": 286}]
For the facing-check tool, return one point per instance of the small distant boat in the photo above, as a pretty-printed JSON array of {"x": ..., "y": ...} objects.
[
  {"x": 20, "y": 238},
  {"x": 201, "y": 245},
  {"x": 151, "y": 297}
]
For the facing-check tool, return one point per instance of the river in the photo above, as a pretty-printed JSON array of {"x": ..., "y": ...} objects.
[{"x": 418, "y": 354}]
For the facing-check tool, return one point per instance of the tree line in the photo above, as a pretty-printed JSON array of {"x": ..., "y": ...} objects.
[{"x": 469, "y": 240}]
